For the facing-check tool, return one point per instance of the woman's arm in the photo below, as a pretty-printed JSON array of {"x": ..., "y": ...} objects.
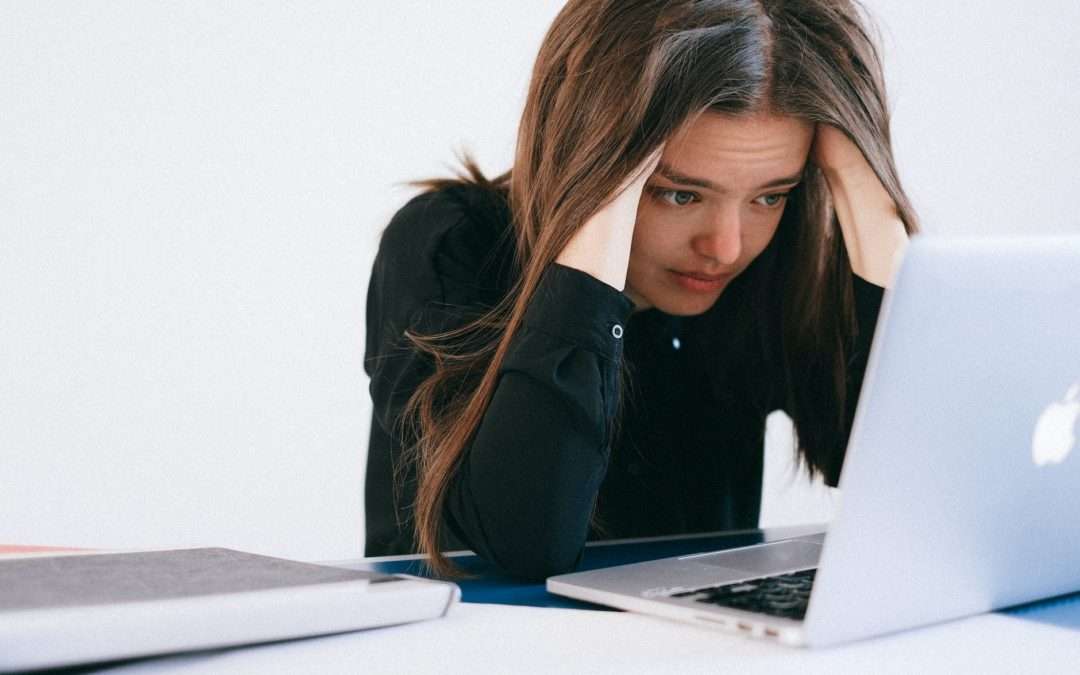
[
  {"x": 524, "y": 493},
  {"x": 875, "y": 239},
  {"x": 873, "y": 232}
]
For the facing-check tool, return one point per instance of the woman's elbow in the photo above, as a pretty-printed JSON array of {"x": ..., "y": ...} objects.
[{"x": 538, "y": 561}]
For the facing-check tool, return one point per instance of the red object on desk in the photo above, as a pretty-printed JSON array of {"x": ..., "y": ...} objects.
[{"x": 19, "y": 548}]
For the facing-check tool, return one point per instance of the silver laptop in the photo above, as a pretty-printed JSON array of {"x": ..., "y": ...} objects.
[{"x": 961, "y": 485}]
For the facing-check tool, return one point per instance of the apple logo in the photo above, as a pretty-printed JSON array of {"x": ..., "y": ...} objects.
[{"x": 1054, "y": 438}]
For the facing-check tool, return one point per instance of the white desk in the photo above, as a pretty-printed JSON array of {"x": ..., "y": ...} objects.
[{"x": 477, "y": 638}]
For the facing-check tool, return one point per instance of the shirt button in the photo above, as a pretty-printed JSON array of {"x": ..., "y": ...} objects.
[{"x": 616, "y": 331}]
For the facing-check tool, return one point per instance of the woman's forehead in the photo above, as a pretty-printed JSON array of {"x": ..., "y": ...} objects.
[{"x": 744, "y": 150}]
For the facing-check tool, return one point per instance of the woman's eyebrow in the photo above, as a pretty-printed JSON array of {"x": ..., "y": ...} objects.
[{"x": 676, "y": 177}]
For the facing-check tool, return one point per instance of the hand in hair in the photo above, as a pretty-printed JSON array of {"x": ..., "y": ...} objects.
[
  {"x": 601, "y": 247},
  {"x": 873, "y": 232}
]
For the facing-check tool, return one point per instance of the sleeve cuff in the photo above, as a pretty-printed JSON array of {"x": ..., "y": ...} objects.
[
  {"x": 866, "y": 292},
  {"x": 575, "y": 306},
  {"x": 868, "y": 298}
]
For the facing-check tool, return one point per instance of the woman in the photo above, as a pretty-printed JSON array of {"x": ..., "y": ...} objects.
[{"x": 701, "y": 215}]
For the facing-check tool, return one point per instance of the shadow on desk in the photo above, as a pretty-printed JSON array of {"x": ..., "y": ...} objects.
[
  {"x": 489, "y": 585},
  {"x": 1062, "y": 611}
]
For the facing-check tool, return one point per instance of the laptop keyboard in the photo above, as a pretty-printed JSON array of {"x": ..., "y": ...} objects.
[{"x": 785, "y": 595}]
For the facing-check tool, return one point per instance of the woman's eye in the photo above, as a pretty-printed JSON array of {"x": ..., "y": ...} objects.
[
  {"x": 676, "y": 197},
  {"x": 772, "y": 200}
]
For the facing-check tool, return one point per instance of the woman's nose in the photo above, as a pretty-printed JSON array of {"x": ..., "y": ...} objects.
[{"x": 722, "y": 241}]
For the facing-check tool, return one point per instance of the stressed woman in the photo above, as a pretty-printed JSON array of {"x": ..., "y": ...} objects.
[{"x": 701, "y": 215}]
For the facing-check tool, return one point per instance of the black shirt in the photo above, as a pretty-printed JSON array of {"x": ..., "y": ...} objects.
[{"x": 687, "y": 452}]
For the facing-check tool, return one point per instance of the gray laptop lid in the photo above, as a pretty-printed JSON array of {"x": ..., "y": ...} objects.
[
  {"x": 947, "y": 508},
  {"x": 40, "y": 582}
]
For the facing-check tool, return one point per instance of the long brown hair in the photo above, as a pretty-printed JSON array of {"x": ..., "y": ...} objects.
[{"x": 612, "y": 81}]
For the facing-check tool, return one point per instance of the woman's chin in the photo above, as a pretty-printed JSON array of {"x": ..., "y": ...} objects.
[{"x": 682, "y": 303}]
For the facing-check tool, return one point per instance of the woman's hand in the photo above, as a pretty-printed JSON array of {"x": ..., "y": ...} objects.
[
  {"x": 601, "y": 247},
  {"x": 874, "y": 235}
]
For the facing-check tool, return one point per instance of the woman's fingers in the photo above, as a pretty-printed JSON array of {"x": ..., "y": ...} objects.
[{"x": 834, "y": 152}]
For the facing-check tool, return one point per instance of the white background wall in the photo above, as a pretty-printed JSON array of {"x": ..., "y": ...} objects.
[{"x": 190, "y": 198}]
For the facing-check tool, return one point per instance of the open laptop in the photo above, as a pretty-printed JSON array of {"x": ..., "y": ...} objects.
[{"x": 961, "y": 484}]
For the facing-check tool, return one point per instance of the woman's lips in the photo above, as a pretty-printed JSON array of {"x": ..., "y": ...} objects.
[{"x": 700, "y": 283}]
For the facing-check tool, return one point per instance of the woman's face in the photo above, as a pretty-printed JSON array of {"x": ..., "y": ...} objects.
[{"x": 712, "y": 206}]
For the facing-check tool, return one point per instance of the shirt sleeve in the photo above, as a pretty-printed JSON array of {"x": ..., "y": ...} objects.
[{"x": 523, "y": 494}]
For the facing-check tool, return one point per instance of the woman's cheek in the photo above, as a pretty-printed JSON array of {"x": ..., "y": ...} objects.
[
  {"x": 651, "y": 230},
  {"x": 767, "y": 232}
]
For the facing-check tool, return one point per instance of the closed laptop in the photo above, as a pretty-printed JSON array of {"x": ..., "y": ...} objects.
[{"x": 68, "y": 609}]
